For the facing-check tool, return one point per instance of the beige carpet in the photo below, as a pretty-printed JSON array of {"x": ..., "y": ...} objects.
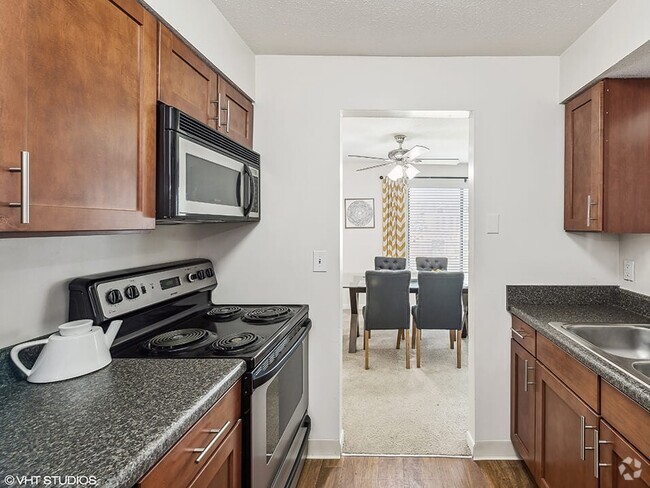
[{"x": 389, "y": 409}]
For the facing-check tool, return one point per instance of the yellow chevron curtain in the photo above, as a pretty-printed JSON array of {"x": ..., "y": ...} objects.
[{"x": 394, "y": 217}]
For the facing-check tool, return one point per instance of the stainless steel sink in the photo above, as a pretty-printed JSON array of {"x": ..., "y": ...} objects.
[
  {"x": 627, "y": 341},
  {"x": 642, "y": 367},
  {"x": 626, "y": 346}
]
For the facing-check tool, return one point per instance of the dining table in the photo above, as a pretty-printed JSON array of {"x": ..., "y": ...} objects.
[{"x": 357, "y": 286}]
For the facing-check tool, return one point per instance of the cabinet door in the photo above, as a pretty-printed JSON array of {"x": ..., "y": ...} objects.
[
  {"x": 564, "y": 435},
  {"x": 185, "y": 80},
  {"x": 522, "y": 403},
  {"x": 583, "y": 170},
  {"x": 91, "y": 83},
  {"x": 236, "y": 114},
  {"x": 620, "y": 464},
  {"x": 224, "y": 468},
  {"x": 13, "y": 107}
]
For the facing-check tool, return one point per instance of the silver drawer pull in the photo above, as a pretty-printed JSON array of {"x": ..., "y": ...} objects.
[
  {"x": 228, "y": 116},
  {"x": 24, "y": 187},
  {"x": 204, "y": 450},
  {"x": 583, "y": 427},
  {"x": 589, "y": 205},
  {"x": 518, "y": 333}
]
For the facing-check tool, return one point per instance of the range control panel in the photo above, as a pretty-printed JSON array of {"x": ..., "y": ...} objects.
[{"x": 128, "y": 294}]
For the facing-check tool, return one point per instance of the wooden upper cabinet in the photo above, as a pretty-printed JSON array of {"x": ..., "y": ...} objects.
[
  {"x": 185, "y": 80},
  {"x": 90, "y": 81},
  {"x": 607, "y": 150},
  {"x": 236, "y": 114},
  {"x": 583, "y": 177}
]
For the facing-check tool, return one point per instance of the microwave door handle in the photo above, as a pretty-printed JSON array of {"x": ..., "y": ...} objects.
[
  {"x": 239, "y": 190},
  {"x": 249, "y": 190}
]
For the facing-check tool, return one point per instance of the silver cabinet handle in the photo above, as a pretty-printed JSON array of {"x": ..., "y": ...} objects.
[
  {"x": 228, "y": 116},
  {"x": 583, "y": 427},
  {"x": 24, "y": 187},
  {"x": 518, "y": 333},
  {"x": 526, "y": 369},
  {"x": 597, "y": 444},
  {"x": 217, "y": 102},
  {"x": 204, "y": 450},
  {"x": 589, "y": 205}
]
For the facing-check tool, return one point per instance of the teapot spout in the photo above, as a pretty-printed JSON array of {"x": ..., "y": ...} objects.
[{"x": 112, "y": 331}]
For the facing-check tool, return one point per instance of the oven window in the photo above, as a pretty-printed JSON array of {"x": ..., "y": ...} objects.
[
  {"x": 282, "y": 398},
  {"x": 208, "y": 182}
]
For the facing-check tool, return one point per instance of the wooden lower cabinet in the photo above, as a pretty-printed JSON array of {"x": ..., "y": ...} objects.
[
  {"x": 564, "y": 435},
  {"x": 223, "y": 470},
  {"x": 621, "y": 465},
  {"x": 209, "y": 454},
  {"x": 522, "y": 403}
]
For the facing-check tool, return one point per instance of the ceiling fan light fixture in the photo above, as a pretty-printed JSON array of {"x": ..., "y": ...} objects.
[
  {"x": 396, "y": 173},
  {"x": 411, "y": 171}
]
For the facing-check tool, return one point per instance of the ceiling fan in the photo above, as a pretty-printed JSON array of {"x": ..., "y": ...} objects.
[{"x": 403, "y": 159}]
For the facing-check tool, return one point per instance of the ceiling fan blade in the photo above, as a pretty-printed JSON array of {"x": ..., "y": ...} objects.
[
  {"x": 366, "y": 157},
  {"x": 375, "y": 166},
  {"x": 415, "y": 152},
  {"x": 440, "y": 161}
]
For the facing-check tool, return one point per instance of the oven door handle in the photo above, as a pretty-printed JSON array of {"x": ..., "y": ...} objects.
[
  {"x": 260, "y": 380},
  {"x": 239, "y": 190}
]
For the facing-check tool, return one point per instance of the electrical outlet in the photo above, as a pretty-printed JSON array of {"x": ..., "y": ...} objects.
[
  {"x": 628, "y": 270},
  {"x": 320, "y": 261}
]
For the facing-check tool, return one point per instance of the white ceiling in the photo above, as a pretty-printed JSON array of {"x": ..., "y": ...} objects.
[
  {"x": 411, "y": 27},
  {"x": 374, "y": 136}
]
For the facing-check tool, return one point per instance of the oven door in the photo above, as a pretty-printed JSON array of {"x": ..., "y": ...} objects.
[
  {"x": 278, "y": 407},
  {"x": 209, "y": 183}
]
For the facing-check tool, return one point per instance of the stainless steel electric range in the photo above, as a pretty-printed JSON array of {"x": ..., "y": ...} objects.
[{"x": 167, "y": 313}]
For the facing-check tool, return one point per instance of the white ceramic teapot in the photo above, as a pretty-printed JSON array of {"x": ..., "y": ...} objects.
[{"x": 78, "y": 348}]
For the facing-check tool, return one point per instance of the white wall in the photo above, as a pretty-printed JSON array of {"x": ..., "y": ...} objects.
[
  {"x": 637, "y": 248},
  {"x": 36, "y": 271},
  {"x": 624, "y": 27},
  {"x": 205, "y": 27},
  {"x": 518, "y": 173}
]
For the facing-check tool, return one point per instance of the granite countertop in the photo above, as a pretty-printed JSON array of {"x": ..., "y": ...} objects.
[
  {"x": 603, "y": 306},
  {"x": 114, "y": 424}
]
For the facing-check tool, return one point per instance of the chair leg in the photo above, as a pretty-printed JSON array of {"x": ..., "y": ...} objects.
[
  {"x": 366, "y": 335},
  {"x": 414, "y": 328},
  {"x": 408, "y": 348},
  {"x": 451, "y": 339},
  {"x": 399, "y": 338},
  {"x": 419, "y": 342},
  {"x": 458, "y": 348}
]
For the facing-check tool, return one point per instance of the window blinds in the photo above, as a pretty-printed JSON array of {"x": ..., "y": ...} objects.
[{"x": 438, "y": 226}]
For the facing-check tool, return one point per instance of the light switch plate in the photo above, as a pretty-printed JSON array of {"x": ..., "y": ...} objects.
[
  {"x": 628, "y": 270},
  {"x": 320, "y": 261},
  {"x": 493, "y": 223}
]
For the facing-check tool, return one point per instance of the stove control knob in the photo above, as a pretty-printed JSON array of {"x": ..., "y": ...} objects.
[
  {"x": 191, "y": 277},
  {"x": 113, "y": 296},
  {"x": 131, "y": 292},
  {"x": 209, "y": 273},
  {"x": 201, "y": 274}
]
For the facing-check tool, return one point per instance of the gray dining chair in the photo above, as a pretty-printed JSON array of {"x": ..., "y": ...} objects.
[
  {"x": 430, "y": 264},
  {"x": 386, "y": 262},
  {"x": 387, "y": 307},
  {"x": 440, "y": 306}
]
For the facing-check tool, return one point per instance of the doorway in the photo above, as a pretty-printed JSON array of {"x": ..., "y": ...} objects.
[{"x": 388, "y": 409}]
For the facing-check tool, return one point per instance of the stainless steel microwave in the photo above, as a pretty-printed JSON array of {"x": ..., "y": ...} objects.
[{"x": 202, "y": 175}]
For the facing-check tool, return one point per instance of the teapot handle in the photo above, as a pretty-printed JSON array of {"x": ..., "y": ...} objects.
[{"x": 16, "y": 349}]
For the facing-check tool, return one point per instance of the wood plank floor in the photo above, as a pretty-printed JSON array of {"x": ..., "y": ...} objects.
[{"x": 413, "y": 472}]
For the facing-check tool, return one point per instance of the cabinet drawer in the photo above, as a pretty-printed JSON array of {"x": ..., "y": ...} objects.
[
  {"x": 626, "y": 416},
  {"x": 577, "y": 377},
  {"x": 179, "y": 466},
  {"x": 524, "y": 334},
  {"x": 223, "y": 470}
]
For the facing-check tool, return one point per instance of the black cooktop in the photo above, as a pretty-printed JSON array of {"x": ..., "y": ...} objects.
[{"x": 246, "y": 332}]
